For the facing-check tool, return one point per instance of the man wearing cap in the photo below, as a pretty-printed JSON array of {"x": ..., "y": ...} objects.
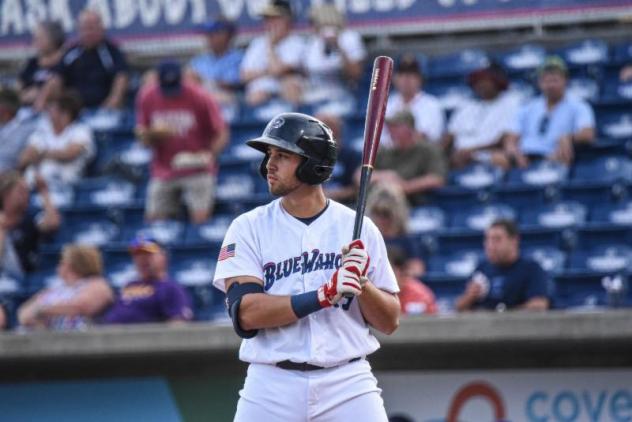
[
  {"x": 416, "y": 167},
  {"x": 153, "y": 297},
  {"x": 476, "y": 129},
  {"x": 218, "y": 67},
  {"x": 426, "y": 109},
  {"x": 549, "y": 126},
  {"x": 183, "y": 126},
  {"x": 274, "y": 57}
]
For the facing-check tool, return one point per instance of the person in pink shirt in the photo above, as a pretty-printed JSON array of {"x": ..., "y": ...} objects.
[
  {"x": 184, "y": 127},
  {"x": 415, "y": 298}
]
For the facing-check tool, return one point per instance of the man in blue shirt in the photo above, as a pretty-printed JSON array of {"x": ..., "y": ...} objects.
[
  {"x": 550, "y": 125},
  {"x": 218, "y": 68},
  {"x": 505, "y": 280}
]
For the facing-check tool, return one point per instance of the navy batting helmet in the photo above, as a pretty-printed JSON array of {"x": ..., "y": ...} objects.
[{"x": 303, "y": 135}]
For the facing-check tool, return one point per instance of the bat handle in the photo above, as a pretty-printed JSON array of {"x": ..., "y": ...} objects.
[{"x": 365, "y": 176}]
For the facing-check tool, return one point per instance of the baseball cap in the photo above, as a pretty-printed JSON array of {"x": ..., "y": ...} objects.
[
  {"x": 326, "y": 15},
  {"x": 408, "y": 63},
  {"x": 277, "y": 8},
  {"x": 493, "y": 72},
  {"x": 553, "y": 64},
  {"x": 404, "y": 117},
  {"x": 144, "y": 243},
  {"x": 170, "y": 77},
  {"x": 218, "y": 25}
]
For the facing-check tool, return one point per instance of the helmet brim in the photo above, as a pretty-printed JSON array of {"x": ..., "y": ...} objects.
[{"x": 262, "y": 143}]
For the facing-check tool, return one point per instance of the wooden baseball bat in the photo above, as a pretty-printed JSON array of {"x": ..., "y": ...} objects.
[{"x": 376, "y": 107}]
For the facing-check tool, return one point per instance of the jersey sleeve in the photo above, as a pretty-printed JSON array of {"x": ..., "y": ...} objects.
[
  {"x": 380, "y": 271},
  {"x": 238, "y": 255}
]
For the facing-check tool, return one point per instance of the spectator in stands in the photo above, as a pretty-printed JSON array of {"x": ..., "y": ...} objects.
[
  {"x": 75, "y": 303},
  {"x": 274, "y": 58},
  {"x": 341, "y": 186},
  {"x": 477, "y": 128},
  {"x": 626, "y": 73},
  {"x": 415, "y": 297},
  {"x": 48, "y": 40},
  {"x": 153, "y": 297},
  {"x": 93, "y": 66},
  {"x": 3, "y": 318},
  {"x": 505, "y": 279},
  {"x": 388, "y": 209},
  {"x": 218, "y": 68},
  {"x": 15, "y": 128},
  {"x": 409, "y": 95},
  {"x": 61, "y": 149},
  {"x": 416, "y": 167},
  {"x": 552, "y": 124},
  {"x": 184, "y": 127},
  {"x": 20, "y": 231},
  {"x": 334, "y": 58}
]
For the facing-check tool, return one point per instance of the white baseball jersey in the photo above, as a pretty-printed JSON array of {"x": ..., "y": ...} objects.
[{"x": 291, "y": 257}]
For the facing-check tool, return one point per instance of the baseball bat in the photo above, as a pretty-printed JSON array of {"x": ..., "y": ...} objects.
[{"x": 376, "y": 107}]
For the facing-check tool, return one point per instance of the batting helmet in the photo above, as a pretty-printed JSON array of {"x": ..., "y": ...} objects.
[{"x": 303, "y": 135}]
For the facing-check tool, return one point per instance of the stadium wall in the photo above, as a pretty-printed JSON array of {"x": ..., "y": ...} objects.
[{"x": 544, "y": 367}]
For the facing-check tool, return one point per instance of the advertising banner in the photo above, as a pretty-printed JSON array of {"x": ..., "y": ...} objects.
[
  {"x": 559, "y": 395},
  {"x": 129, "y": 20}
]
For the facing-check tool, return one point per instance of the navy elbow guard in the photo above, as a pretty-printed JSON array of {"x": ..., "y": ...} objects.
[{"x": 234, "y": 295}]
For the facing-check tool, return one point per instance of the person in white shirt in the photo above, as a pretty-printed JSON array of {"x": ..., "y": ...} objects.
[
  {"x": 476, "y": 129},
  {"x": 334, "y": 58},
  {"x": 409, "y": 95},
  {"x": 60, "y": 150},
  {"x": 272, "y": 60}
]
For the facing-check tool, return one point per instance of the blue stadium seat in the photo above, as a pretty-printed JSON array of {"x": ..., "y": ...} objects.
[
  {"x": 479, "y": 218},
  {"x": 11, "y": 284},
  {"x": 622, "y": 53},
  {"x": 592, "y": 195},
  {"x": 586, "y": 52},
  {"x": 458, "y": 64},
  {"x": 524, "y": 58},
  {"x": 540, "y": 173},
  {"x": 459, "y": 264},
  {"x": 584, "y": 88},
  {"x": 168, "y": 232},
  {"x": 446, "y": 290},
  {"x": 579, "y": 291},
  {"x": 538, "y": 237},
  {"x": 453, "y": 241},
  {"x": 94, "y": 233},
  {"x": 559, "y": 215},
  {"x": 617, "y": 214},
  {"x": 235, "y": 185},
  {"x": 605, "y": 169},
  {"x": 615, "y": 90},
  {"x": 426, "y": 220},
  {"x": 524, "y": 196},
  {"x": 452, "y": 199},
  {"x": 608, "y": 259},
  {"x": 38, "y": 280},
  {"x": 477, "y": 176},
  {"x": 615, "y": 125},
  {"x": 212, "y": 231},
  {"x": 551, "y": 259},
  {"x": 121, "y": 273},
  {"x": 105, "y": 192},
  {"x": 602, "y": 235}
]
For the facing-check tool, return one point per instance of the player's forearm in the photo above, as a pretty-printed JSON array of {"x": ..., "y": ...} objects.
[
  {"x": 261, "y": 310},
  {"x": 381, "y": 309}
]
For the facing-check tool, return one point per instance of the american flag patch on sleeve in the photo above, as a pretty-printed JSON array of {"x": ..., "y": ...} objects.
[{"x": 226, "y": 252}]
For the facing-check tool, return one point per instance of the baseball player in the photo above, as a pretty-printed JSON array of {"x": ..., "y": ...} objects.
[{"x": 300, "y": 293}]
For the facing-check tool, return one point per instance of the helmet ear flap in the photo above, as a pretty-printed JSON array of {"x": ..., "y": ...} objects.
[{"x": 263, "y": 170}]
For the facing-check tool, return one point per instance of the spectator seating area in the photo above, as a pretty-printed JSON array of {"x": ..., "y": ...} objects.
[{"x": 577, "y": 222}]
